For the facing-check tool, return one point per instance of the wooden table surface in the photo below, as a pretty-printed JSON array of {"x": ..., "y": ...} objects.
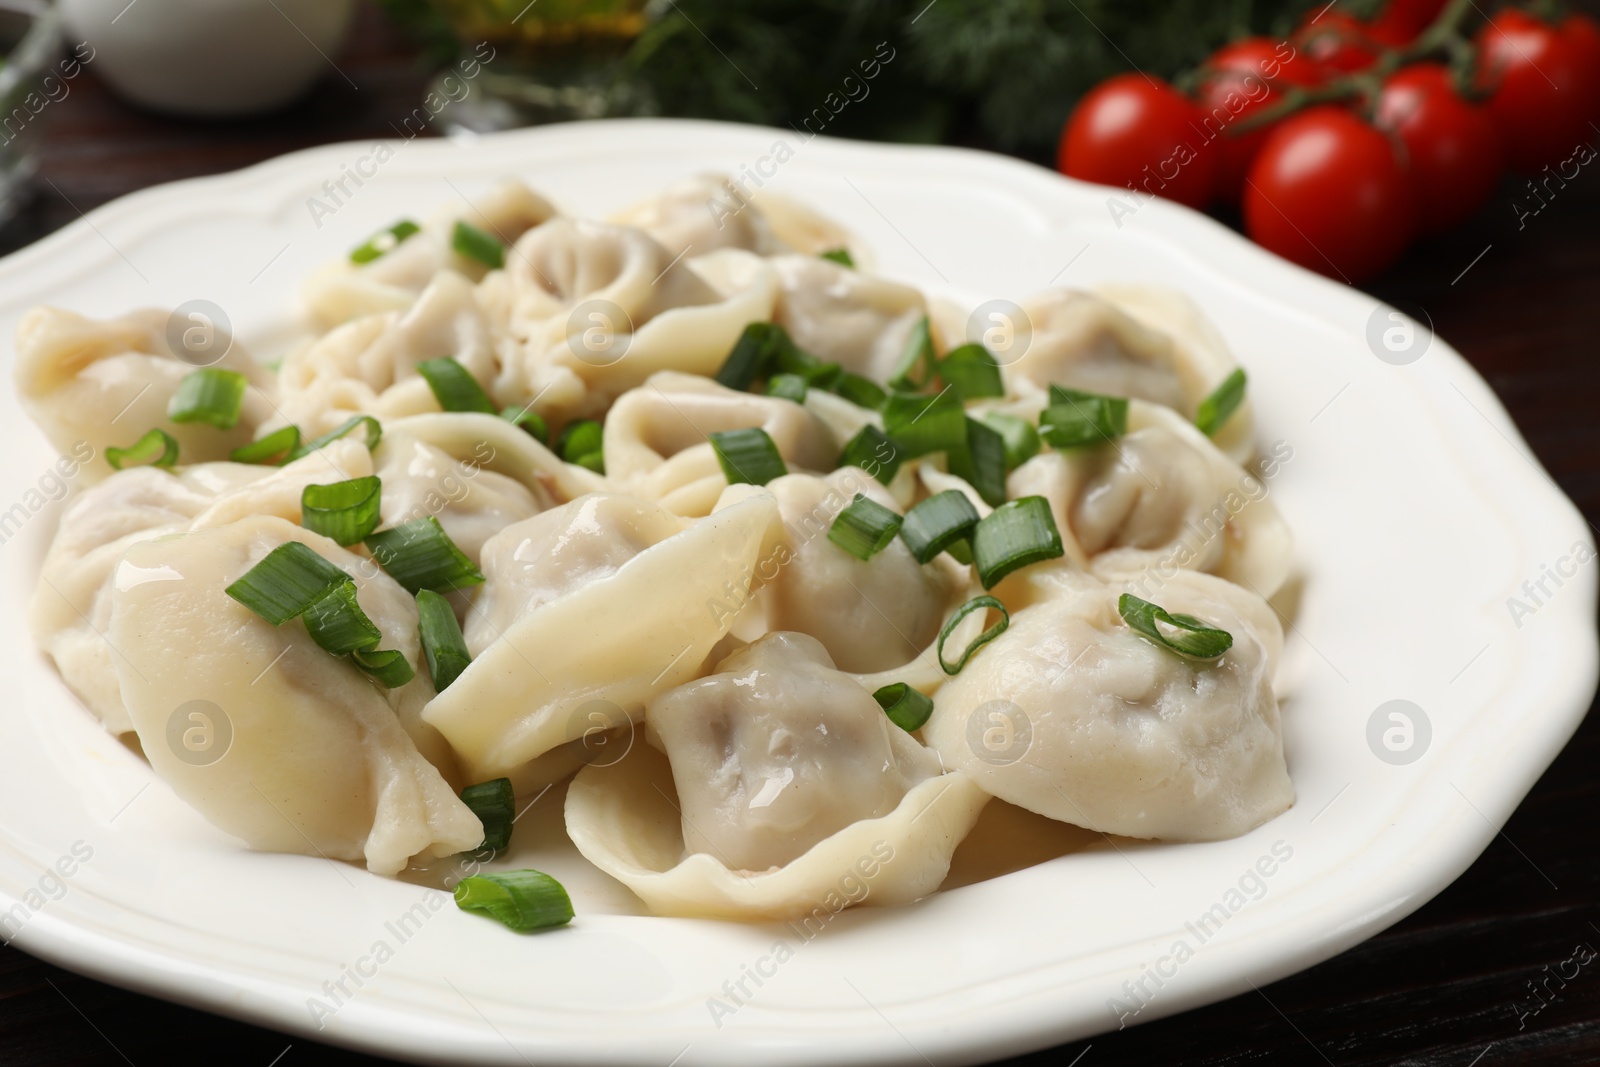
[{"x": 1446, "y": 987}]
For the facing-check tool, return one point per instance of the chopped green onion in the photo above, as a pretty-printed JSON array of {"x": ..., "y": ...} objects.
[
  {"x": 975, "y": 604},
  {"x": 1020, "y": 438},
  {"x": 523, "y": 900},
  {"x": 972, "y": 369},
  {"x": 924, "y": 424},
  {"x": 420, "y": 555},
  {"x": 337, "y": 624},
  {"x": 874, "y": 452},
  {"x": 840, "y": 256},
  {"x": 344, "y": 511},
  {"x": 790, "y": 358},
  {"x": 788, "y": 386},
  {"x": 384, "y": 241},
  {"x": 286, "y": 582},
  {"x": 212, "y": 395},
  {"x": 271, "y": 450},
  {"x": 495, "y": 805},
  {"x": 442, "y": 644},
  {"x": 916, "y": 361},
  {"x": 747, "y": 456},
  {"x": 583, "y": 443},
  {"x": 454, "y": 387},
  {"x": 158, "y": 448},
  {"x": 1075, "y": 418},
  {"x": 530, "y": 421},
  {"x": 474, "y": 243},
  {"x": 390, "y": 667},
  {"x": 1184, "y": 634},
  {"x": 862, "y": 392},
  {"x": 373, "y": 429},
  {"x": 906, "y": 707},
  {"x": 961, "y": 552},
  {"x": 594, "y": 461},
  {"x": 1224, "y": 400},
  {"x": 1015, "y": 535},
  {"x": 749, "y": 358},
  {"x": 864, "y": 528},
  {"x": 937, "y": 523},
  {"x": 982, "y": 462}
]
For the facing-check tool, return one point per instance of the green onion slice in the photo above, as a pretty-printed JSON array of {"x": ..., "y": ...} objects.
[
  {"x": 286, "y": 582},
  {"x": 583, "y": 442},
  {"x": 924, "y": 424},
  {"x": 454, "y": 386},
  {"x": 982, "y": 462},
  {"x": 864, "y": 528},
  {"x": 961, "y": 552},
  {"x": 973, "y": 371},
  {"x": 213, "y": 396},
  {"x": 495, "y": 805},
  {"x": 981, "y": 603},
  {"x": 337, "y": 624},
  {"x": 916, "y": 361},
  {"x": 874, "y": 452},
  {"x": 420, "y": 555},
  {"x": 373, "y": 430},
  {"x": 158, "y": 448},
  {"x": 748, "y": 456},
  {"x": 862, "y": 392},
  {"x": 390, "y": 667},
  {"x": 1075, "y": 419},
  {"x": 474, "y": 243},
  {"x": 1021, "y": 440},
  {"x": 936, "y": 523},
  {"x": 788, "y": 386},
  {"x": 840, "y": 256},
  {"x": 523, "y": 900},
  {"x": 442, "y": 644},
  {"x": 749, "y": 358},
  {"x": 906, "y": 707},
  {"x": 1216, "y": 409},
  {"x": 272, "y": 450},
  {"x": 1184, "y": 634},
  {"x": 384, "y": 241},
  {"x": 1013, "y": 536},
  {"x": 530, "y": 421},
  {"x": 344, "y": 511}
]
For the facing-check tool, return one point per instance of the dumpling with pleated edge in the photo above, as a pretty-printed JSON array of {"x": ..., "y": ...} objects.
[
  {"x": 795, "y": 795},
  {"x": 300, "y": 751},
  {"x": 841, "y": 315},
  {"x": 707, "y": 212},
  {"x": 1073, "y": 714}
]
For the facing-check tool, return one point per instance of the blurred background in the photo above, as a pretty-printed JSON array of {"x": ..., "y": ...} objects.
[{"x": 1456, "y": 177}]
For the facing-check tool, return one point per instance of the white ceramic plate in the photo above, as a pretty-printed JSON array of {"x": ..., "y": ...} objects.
[{"x": 1418, "y": 512}]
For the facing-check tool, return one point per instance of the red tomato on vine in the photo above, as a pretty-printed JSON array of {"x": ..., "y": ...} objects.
[
  {"x": 1541, "y": 93},
  {"x": 1238, "y": 81},
  {"x": 1452, "y": 146},
  {"x": 1137, "y": 131}
]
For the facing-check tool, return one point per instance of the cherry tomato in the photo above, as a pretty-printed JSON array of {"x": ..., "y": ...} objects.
[
  {"x": 1139, "y": 132},
  {"x": 1338, "y": 42},
  {"x": 1402, "y": 20},
  {"x": 1237, "y": 81},
  {"x": 1327, "y": 192},
  {"x": 1582, "y": 35},
  {"x": 1540, "y": 94},
  {"x": 1452, "y": 146}
]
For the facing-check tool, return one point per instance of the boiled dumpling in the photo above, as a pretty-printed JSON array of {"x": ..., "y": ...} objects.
[
  {"x": 789, "y": 780},
  {"x": 71, "y": 608},
  {"x": 841, "y": 315},
  {"x": 1074, "y": 715},
  {"x": 870, "y": 615},
  {"x": 710, "y": 211},
  {"x": 108, "y": 383},
  {"x": 342, "y": 291},
  {"x": 621, "y": 637},
  {"x": 1161, "y": 496},
  {"x": 657, "y": 438},
  {"x": 316, "y": 760}
]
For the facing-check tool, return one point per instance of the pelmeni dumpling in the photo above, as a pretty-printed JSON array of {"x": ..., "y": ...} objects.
[
  {"x": 844, "y": 316},
  {"x": 657, "y": 438},
  {"x": 789, "y": 778},
  {"x": 312, "y": 756},
  {"x": 71, "y": 608},
  {"x": 621, "y": 637},
  {"x": 107, "y": 383},
  {"x": 711, "y": 211},
  {"x": 1074, "y": 715},
  {"x": 342, "y": 290},
  {"x": 1161, "y": 497},
  {"x": 870, "y": 615},
  {"x": 594, "y": 310}
]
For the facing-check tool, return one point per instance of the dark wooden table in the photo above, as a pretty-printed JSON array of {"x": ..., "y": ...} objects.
[{"x": 1442, "y": 988}]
